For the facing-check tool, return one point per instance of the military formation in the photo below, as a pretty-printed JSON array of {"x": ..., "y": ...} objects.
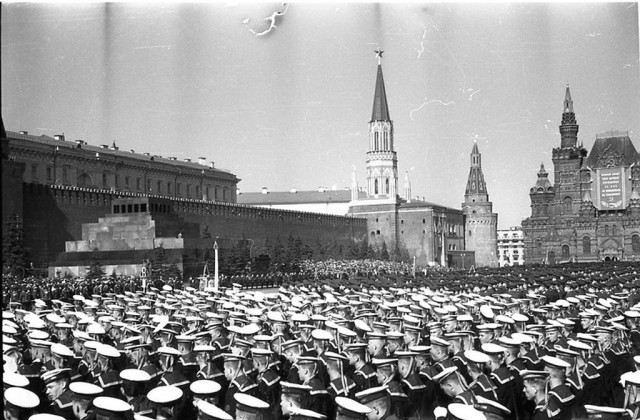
[{"x": 338, "y": 343}]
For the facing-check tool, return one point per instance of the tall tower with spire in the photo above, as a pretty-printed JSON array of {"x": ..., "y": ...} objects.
[
  {"x": 567, "y": 161},
  {"x": 382, "y": 162},
  {"x": 481, "y": 224}
]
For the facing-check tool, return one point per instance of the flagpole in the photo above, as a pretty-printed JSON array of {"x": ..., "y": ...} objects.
[{"x": 215, "y": 275}]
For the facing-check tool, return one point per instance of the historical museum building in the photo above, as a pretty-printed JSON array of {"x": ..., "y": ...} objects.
[
  {"x": 431, "y": 233},
  {"x": 591, "y": 212}
]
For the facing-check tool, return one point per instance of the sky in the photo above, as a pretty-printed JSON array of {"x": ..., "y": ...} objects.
[{"x": 289, "y": 107}]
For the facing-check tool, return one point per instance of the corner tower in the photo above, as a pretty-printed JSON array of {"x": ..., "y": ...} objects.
[
  {"x": 481, "y": 224},
  {"x": 382, "y": 162}
]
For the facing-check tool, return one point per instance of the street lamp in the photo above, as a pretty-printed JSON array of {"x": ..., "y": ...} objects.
[{"x": 215, "y": 272}]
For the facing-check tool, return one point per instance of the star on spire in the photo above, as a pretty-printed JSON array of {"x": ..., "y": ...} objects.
[{"x": 379, "y": 53}]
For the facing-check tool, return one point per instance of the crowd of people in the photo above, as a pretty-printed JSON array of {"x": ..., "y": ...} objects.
[{"x": 337, "y": 340}]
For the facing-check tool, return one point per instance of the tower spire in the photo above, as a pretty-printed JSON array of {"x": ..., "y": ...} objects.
[
  {"x": 569, "y": 126},
  {"x": 476, "y": 186},
  {"x": 380, "y": 106}
]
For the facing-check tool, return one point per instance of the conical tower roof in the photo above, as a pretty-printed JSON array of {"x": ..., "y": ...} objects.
[{"x": 380, "y": 106}]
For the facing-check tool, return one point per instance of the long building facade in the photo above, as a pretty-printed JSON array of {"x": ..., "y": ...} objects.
[
  {"x": 591, "y": 211},
  {"x": 78, "y": 202}
]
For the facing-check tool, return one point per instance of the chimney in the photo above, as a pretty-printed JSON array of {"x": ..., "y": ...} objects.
[
  {"x": 265, "y": 190},
  {"x": 104, "y": 146},
  {"x": 59, "y": 137},
  {"x": 173, "y": 158},
  {"x": 202, "y": 161},
  {"x": 24, "y": 133},
  {"x": 211, "y": 164},
  {"x": 187, "y": 159},
  {"x": 79, "y": 144}
]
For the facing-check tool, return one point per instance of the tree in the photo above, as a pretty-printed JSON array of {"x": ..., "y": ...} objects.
[
  {"x": 14, "y": 253},
  {"x": 95, "y": 270},
  {"x": 384, "y": 253}
]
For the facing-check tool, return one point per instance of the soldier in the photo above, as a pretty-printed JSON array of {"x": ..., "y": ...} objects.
[
  {"x": 535, "y": 385},
  {"x": 480, "y": 383},
  {"x": 249, "y": 407},
  {"x": 348, "y": 409},
  {"x": 386, "y": 371},
  {"x": 293, "y": 397},
  {"x": 171, "y": 375},
  {"x": 318, "y": 395},
  {"x": 238, "y": 381},
  {"x": 83, "y": 394},
  {"x": 187, "y": 363},
  {"x": 379, "y": 401},
  {"x": 452, "y": 383},
  {"x": 19, "y": 403},
  {"x": 502, "y": 378},
  {"x": 268, "y": 381},
  {"x": 561, "y": 400},
  {"x": 420, "y": 400},
  {"x": 364, "y": 375},
  {"x": 109, "y": 378},
  {"x": 167, "y": 401},
  {"x": 135, "y": 386},
  {"x": 57, "y": 390}
]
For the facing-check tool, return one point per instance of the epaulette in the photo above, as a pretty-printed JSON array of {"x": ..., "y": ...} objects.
[
  {"x": 563, "y": 394},
  {"x": 598, "y": 366},
  {"x": 591, "y": 373},
  {"x": 64, "y": 401},
  {"x": 414, "y": 387},
  {"x": 398, "y": 394},
  {"x": 484, "y": 383},
  {"x": 248, "y": 386},
  {"x": 501, "y": 378},
  {"x": 463, "y": 398},
  {"x": 367, "y": 376},
  {"x": 459, "y": 359},
  {"x": 573, "y": 383},
  {"x": 318, "y": 392},
  {"x": 104, "y": 384},
  {"x": 270, "y": 378}
]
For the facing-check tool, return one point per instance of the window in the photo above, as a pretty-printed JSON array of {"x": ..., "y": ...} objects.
[
  {"x": 613, "y": 230},
  {"x": 138, "y": 184},
  {"x": 224, "y": 194},
  {"x": 84, "y": 180},
  {"x": 34, "y": 172},
  {"x": 198, "y": 191},
  {"x": 49, "y": 174},
  {"x": 215, "y": 193},
  {"x": 567, "y": 204},
  {"x": 104, "y": 180},
  {"x": 169, "y": 186},
  {"x": 606, "y": 230},
  {"x": 188, "y": 190},
  {"x": 116, "y": 180},
  {"x": 159, "y": 187},
  {"x": 386, "y": 186},
  {"x": 375, "y": 187},
  {"x": 179, "y": 188},
  {"x": 586, "y": 245},
  {"x": 126, "y": 182},
  {"x": 148, "y": 185},
  {"x": 65, "y": 173},
  {"x": 565, "y": 251},
  {"x": 635, "y": 244}
]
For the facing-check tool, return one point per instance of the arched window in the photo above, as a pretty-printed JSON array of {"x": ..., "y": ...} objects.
[
  {"x": 635, "y": 244},
  {"x": 375, "y": 142},
  {"x": 586, "y": 245},
  {"x": 565, "y": 251},
  {"x": 613, "y": 230},
  {"x": 386, "y": 185},
  {"x": 567, "y": 204},
  {"x": 375, "y": 186},
  {"x": 606, "y": 230},
  {"x": 551, "y": 257}
]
